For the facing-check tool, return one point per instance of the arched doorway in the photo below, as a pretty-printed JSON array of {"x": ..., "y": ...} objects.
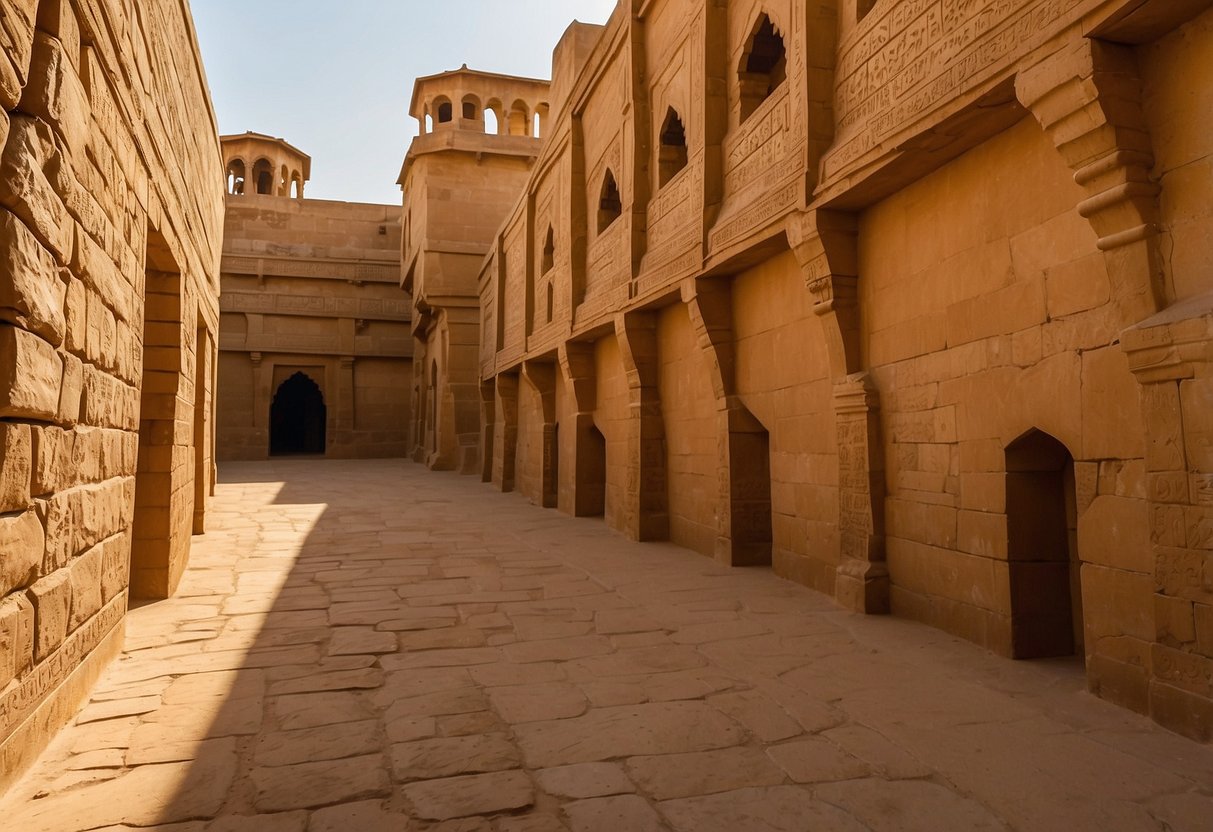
[
  {"x": 298, "y": 418},
  {"x": 1046, "y": 590}
]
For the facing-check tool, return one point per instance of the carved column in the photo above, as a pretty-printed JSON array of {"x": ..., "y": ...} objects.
[
  {"x": 1087, "y": 98},
  {"x": 1172, "y": 356},
  {"x": 646, "y": 514},
  {"x": 584, "y": 492},
  {"x": 542, "y": 376},
  {"x": 505, "y": 438},
  {"x": 826, "y": 247}
]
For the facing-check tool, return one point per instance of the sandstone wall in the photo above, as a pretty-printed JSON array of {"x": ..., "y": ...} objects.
[
  {"x": 110, "y": 226},
  {"x": 313, "y": 285},
  {"x": 910, "y": 300}
]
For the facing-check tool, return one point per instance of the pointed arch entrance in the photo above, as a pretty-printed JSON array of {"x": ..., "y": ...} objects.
[
  {"x": 1046, "y": 590},
  {"x": 298, "y": 418}
]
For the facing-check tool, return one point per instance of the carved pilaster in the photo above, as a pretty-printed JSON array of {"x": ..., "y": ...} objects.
[
  {"x": 863, "y": 576},
  {"x": 1172, "y": 356},
  {"x": 541, "y": 375},
  {"x": 826, "y": 246},
  {"x": 505, "y": 438},
  {"x": 1087, "y": 98},
  {"x": 583, "y": 444},
  {"x": 488, "y": 427},
  {"x": 743, "y": 515},
  {"x": 646, "y": 513}
]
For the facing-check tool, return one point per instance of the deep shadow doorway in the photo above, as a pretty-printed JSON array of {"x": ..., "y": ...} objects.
[{"x": 298, "y": 418}]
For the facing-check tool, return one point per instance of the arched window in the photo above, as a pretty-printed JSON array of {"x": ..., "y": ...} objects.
[
  {"x": 446, "y": 112},
  {"x": 541, "y": 120},
  {"x": 471, "y": 108},
  {"x": 494, "y": 117},
  {"x": 763, "y": 66},
  {"x": 429, "y": 123},
  {"x": 263, "y": 176},
  {"x": 610, "y": 206},
  {"x": 235, "y": 176},
  {"x": 549, "y": 252},
  {"x": 518, "y": 119},
  {"x": 672, "y": 148}
]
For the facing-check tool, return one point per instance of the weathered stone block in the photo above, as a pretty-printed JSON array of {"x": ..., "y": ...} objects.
[
  {"x": 16, "y": 462},
  {"x": 16, "y": 47},
  {"x": 1174, "y": 620},
  {"x": 31, "y": 290},
  {"x": 1203, "y": 614},
  {"x": 85, "y": 575},
  {"x": 1115, "y": 531},
  {"x": 22, "y": 541},
  {"x": 52, "y": 600},
  {"x": 16, "y": 637},
  {"x": 115, "y": 566},
  {"x": 30, "y": 376},
  {"x": 26, "y": 190},
  {"x": 55, "y": 95},
  {"x": 53, "y": 468},
  {"x": 71, "y": 389},
  {"x": 75, "y": 309}
]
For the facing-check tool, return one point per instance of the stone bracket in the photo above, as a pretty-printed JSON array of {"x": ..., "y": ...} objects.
[{"x": 1088, "y": 99}]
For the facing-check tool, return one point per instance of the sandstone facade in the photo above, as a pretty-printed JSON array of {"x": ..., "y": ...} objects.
[
  {"x": 481, "y": 134},
  {"x": 110, "y": 227},
  {"x": 910, "y": 299},
  {"x": 314, "y": 333}
]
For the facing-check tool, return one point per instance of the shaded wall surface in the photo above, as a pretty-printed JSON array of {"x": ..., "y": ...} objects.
[
  {"x": 910, "y": 300},
  {"x": 311, "y": 287},
  {"x": 111, "y": 201}
]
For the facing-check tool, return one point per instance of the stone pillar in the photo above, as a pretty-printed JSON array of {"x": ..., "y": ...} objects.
[
  {"x": 542, "y": 376},
  {"x": 505, "y": 438},
  {"x": 488, "y": 410},
  {"x": 263, "y": 397},
  {"x": 583, "y": 493},
  {"x": 826, "y": 247},
  {"x": 1087, "y": 97},
  {"x": 743, "y": 521},
  {"x": 463, "y": 387},
  {"x": 1172, "y": 356},
  {"x": 646, "y": 514}
]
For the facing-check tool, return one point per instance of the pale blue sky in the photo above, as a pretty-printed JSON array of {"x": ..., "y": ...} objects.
[{"x": 334, "y": 77}]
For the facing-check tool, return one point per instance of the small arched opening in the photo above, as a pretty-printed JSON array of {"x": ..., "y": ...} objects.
[
  {"x": 763, "y": 66},
  {"x": 236, "y": 173},
  {"x": 428, "y": 124},
  {"x": 518, "y": 119},
  {"x": 549, "y": 252},
  {"x": 296, "y": 185},
  {"x": 1042, "y": 548},
  {"x": 541, "y": 120},
  {"x": 471, "y": 108},
  {"x": 446, "y": 111},
  {"x": 672, "y": 148},
  {"x": 298, "y": 418},
  {"x": 263, "y": 177},
  {"x": 610, "y": 205}
]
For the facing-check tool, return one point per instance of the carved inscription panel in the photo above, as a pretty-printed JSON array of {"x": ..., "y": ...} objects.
[{"x": 909, "y": 58}]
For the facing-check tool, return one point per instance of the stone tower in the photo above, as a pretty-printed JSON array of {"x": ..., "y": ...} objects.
[
  {"x": 260, "y": 164},
  {"x": 480, "y": 134}
]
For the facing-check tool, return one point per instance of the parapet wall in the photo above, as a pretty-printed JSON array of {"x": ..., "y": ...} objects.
[{"x": 111, "y": 200}]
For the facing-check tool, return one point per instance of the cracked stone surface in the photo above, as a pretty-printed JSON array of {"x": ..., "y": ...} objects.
[{"x": 370, "y": 646}]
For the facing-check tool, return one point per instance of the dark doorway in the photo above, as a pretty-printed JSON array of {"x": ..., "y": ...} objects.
[
  {"x": 298, "y": 418},
  {"x": 591, "y": 499},
  {"x": 1046, "y": 595}
]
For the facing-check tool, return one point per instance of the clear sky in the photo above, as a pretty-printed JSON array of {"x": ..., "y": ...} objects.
[{"x": 334, "y": 78}]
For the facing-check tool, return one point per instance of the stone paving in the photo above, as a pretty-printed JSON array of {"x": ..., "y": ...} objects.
[{"x": 364, "y": 646}]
